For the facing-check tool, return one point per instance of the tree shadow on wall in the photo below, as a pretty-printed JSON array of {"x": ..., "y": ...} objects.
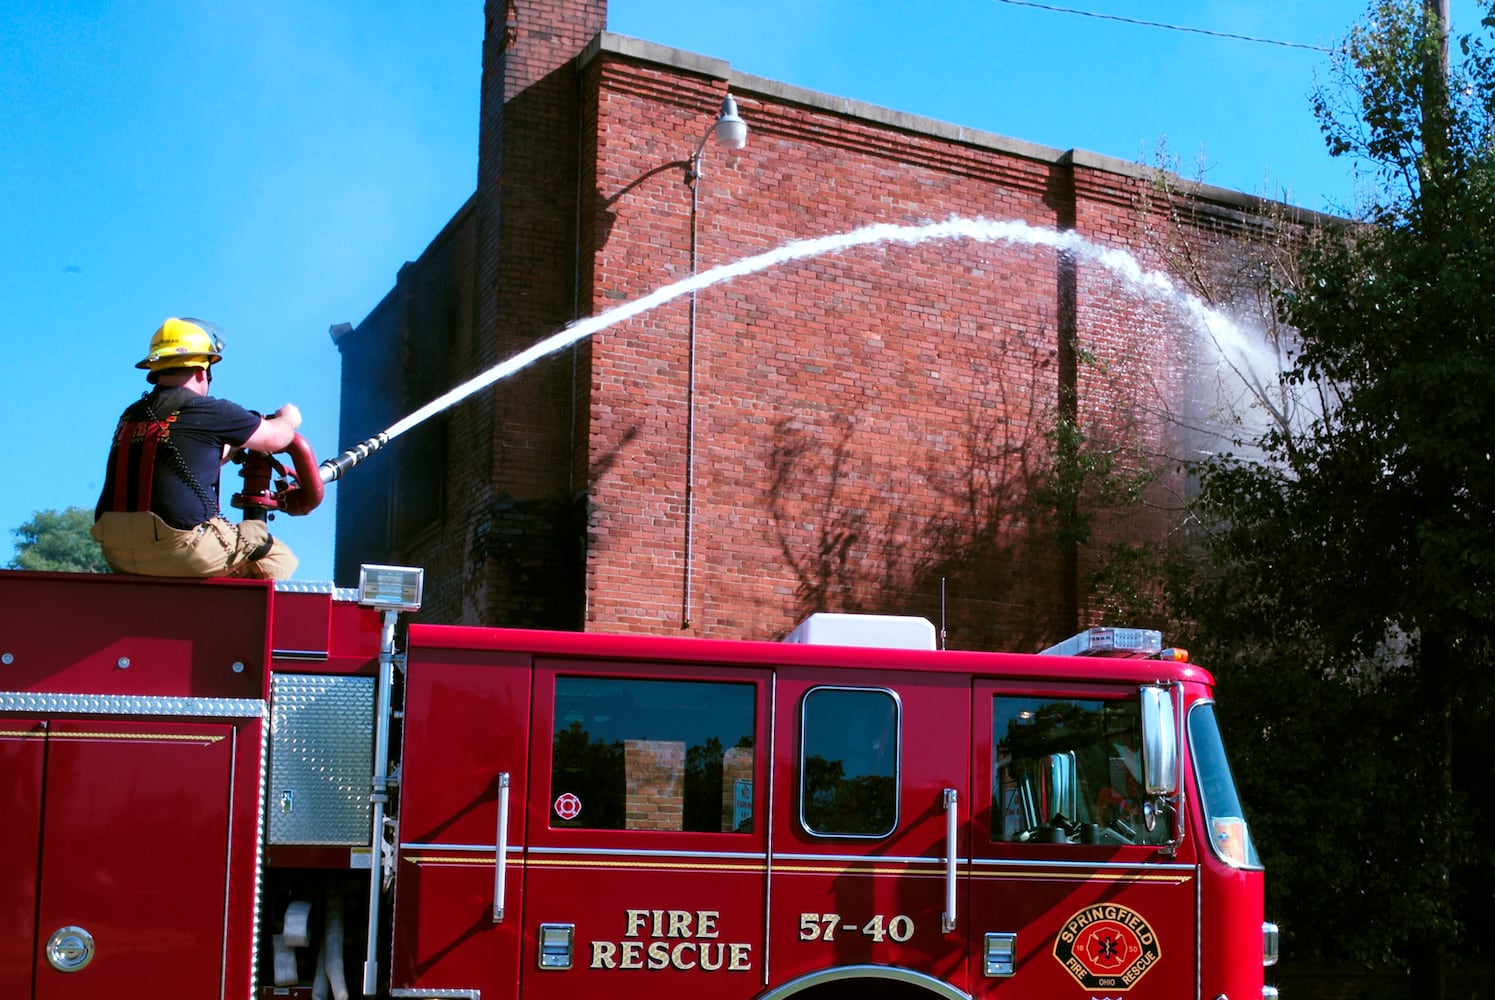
[{"x": 981, "y": 555}]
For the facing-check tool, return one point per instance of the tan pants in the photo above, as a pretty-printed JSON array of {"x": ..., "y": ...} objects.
[{"x": 141, "y": 542}]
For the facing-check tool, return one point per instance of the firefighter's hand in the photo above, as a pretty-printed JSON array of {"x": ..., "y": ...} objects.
[{"x": 290, "y": 414}]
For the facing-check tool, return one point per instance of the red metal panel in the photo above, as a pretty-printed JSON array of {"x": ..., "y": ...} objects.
[
  {"x": 466, "y": 721},
  {"x": 731, "y": 652},
  {"x": 336, "y": 637},
  {"x": 22, "y": 748},
  {"x": 302, "y": 623},
  {"x": 881, "y": 899},
  {"x": 98, "y": 633},
  {"x": 135, "y": 852}
]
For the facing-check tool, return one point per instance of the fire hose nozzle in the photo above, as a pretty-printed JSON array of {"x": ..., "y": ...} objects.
[{"x": 333, "y": 468}]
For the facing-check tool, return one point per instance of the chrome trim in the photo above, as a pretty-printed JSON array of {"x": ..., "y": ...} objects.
[
  {"x": 999, "y": 954},
  {"x": 1180, "y": 831},
  {"x": 922, "y": 859},
  {"x": 348, "y": 594},
  {"x": 947, "y": 919},
  {"x": 605, "y": 852},
  {"x": 113, "y": 704},
  {"x": 259, "y": 862},
  {"x": 611, "y": 852},
  {"x": 1117, "y": 866},
  {"x": 847, "y": 973},
  {"x": 437, "y": 994},
  {"x": 773, "y": 735},
  {"x": 378, "y": 797},
  {"x": 551, "y": 956},
  {"x": 69, "y": 949},
  {"x": 897, "y": 764},
  {"x": 501, "y": 849}
]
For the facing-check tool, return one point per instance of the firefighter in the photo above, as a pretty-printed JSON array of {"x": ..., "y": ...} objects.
[{"x": 158, "y": 513}]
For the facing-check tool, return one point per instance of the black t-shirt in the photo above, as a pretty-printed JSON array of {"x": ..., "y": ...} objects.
[{"x": 191, "y": 452}]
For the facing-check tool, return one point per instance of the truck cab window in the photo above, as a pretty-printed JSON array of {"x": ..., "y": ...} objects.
[
  {"x": 652, "y": 755},
  {"x": 1068, "y": 771},
  {"x": 849, "y": 762}
]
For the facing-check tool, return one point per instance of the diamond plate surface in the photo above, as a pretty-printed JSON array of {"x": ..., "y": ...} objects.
[{"x": 321, "y": 758}]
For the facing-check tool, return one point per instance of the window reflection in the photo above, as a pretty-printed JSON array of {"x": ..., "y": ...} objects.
[
  {"x": 1069, "y": 771},
  {"x": 652, "y": 755},
  {"x": 849, "y": 762}
]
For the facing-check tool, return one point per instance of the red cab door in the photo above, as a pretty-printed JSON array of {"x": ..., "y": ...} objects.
[
  {"x": 645, "y": 864},
  {"x": 1076, "y": 888},
  {"x": 871, "y": 806}
]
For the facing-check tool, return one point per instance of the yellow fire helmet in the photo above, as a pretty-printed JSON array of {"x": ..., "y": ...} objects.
[{"x": 183, "y": 343}]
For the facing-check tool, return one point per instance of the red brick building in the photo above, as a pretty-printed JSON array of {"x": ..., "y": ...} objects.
[{"x": 854, "y": 431}]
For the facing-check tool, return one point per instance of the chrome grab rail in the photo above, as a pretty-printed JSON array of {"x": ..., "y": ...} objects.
[
  {"x": 501, "y": 852},
  {"x": 947, "y": 920}
]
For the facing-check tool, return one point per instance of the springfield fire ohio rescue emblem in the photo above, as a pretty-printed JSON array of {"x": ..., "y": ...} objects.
[{"x": 1107, "y": 947}]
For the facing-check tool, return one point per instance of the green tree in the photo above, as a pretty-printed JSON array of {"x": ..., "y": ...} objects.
[
  {"x": 1354, "y": 550},
  {"x": 58, "y": 541}
]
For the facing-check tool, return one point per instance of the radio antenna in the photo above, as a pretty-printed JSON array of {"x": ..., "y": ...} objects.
[{"x": 944, "y": 635}]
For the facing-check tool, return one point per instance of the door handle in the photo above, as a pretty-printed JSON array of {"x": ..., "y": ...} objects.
[
  {"x": 501, "y": 852},
  {"x": 947, "y": 920}
]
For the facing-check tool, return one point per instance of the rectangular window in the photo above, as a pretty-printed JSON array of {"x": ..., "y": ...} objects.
[
  {"x": 1069, "y": 771},
  {"x": 652, "y": 755},
  {"x": 849, "y": 762}
]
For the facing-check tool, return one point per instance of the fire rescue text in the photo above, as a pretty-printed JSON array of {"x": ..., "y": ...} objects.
[{"x": 685, "y": 940}]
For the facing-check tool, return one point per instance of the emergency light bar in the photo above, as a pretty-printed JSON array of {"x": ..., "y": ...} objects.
[
  {"x": 1135, "y": 642},
  {"x": 390, "y": 588}
]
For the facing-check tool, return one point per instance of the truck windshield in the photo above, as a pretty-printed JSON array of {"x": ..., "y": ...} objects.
[{"x": 1223, "y": 816}]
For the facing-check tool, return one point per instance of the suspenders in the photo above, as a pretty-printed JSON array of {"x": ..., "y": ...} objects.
[{"x": 136, "y": 443}]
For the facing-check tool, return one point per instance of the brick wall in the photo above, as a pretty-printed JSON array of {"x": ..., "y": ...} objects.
[
  {"x": 867, "y": 424},
  {"x": 844, "y": 433}
]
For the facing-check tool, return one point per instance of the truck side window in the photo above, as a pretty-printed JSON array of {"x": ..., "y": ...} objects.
[
  {"x": 1068, "y": 771},
  {"x": 652, "y": 755},
  {"x": 849, "y": 762}
]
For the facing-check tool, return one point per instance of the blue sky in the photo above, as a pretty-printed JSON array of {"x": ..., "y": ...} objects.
[{"x": 269, "y": 166}]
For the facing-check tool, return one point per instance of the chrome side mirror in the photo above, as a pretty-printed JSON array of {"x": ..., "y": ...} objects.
[{"x": 1159, "y": 742}]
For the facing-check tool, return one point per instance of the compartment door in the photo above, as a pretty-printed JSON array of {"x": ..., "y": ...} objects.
[
  {"x": 134, "y": 859},
  {"x": 22, "y": 753}
]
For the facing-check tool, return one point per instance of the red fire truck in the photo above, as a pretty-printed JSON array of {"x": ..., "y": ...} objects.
[{"x": 235, "y": 789}]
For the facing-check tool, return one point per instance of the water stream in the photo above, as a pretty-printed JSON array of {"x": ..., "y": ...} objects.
[{"x": 1219, "y": 328}]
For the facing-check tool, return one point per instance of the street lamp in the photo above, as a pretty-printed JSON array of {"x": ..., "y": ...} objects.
[{"x": 731, "y": 133}]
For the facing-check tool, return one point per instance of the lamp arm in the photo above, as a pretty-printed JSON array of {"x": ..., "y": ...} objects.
[{"x": 694, "y": 170}]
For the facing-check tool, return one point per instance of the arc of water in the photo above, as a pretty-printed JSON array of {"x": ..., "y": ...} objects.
[{"x": 1152, "y": 284}]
